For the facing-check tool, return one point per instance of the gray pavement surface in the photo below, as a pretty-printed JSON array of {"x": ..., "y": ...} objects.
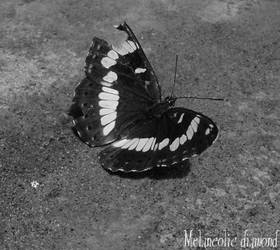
[{"x": 53, "y": 192}]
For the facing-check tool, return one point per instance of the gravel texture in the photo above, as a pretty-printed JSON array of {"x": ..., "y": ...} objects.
[{"x": 55, "y": 195}]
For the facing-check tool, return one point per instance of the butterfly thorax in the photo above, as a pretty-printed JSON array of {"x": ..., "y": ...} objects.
[{"x": 159, "y": 108}]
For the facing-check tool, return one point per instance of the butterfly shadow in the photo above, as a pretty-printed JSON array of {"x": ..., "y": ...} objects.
[{"x": 172, "y": 172}]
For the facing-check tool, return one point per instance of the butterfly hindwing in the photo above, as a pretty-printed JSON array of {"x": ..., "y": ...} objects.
[
  {"x": 183, "y": 133},
  {"x": 134, "y": 152},
  {"x": 166, "y": 141}
]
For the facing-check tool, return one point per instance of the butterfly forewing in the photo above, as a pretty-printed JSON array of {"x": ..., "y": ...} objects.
[
  {"x": 119, "y": 87},
  {"x": 141, "y": 63}
]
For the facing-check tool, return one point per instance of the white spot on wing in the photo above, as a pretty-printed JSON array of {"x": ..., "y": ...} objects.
[
  {"x": 120, "y": 143},
  {"x": 89, "y": 69},
  {"x": 107, "y": 62},
  {"x": 139, "y": 70},
  {"x": 194, "y": 124},
  {"x": 110, "y": 77},
  {"x": 108, "y": 128},
  {"x": 113, "y": 54},
  {"x": 163, "y": 143},
  {"x": 121, "y": 50},
  {"x": 207, "y": 131},
  {"x": 181, "y": 118},
  {"x": 156, "y": 147},
  {"x": 127, "y": 47},
  {"x": 129, "y": 142},
  {"x": 197, "y": 119},
  {"x": 134, "y": 144},
  {"x": 79, "y": 133},
  {"x": 175, "y": 144},
  {"x": 153, "y": 144},
  {"x": 142, "y": 142},
  {"x": 132, "y": 44},
  {"x": 108, "y": 118},
  {"x": 105, "y": 111},
  {"x": 148, "y": 145},
  {"x": 110, "y": 90},
  {"x": 190, "y": 132},
  {"x": 107, "y": 84},
  {"x": 108, "y": 96},
  {"x": 108, "y": 104},
  {"x": 183, "y": 139}
]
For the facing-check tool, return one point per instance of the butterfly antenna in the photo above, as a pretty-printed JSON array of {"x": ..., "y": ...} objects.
[
  {"x": 189, "y": 97},
  {"x": 201, "y": 98},
  {"x": 175, "y": 74}
]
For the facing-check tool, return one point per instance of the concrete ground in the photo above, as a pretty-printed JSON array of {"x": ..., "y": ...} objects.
[{"x": 55, "y": 195}]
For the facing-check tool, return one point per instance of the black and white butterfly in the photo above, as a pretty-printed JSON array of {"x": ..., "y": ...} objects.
[{"x": 118, "y": 105}]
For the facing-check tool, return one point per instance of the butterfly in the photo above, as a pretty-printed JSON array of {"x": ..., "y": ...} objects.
[{"x": 118, "y": 105}]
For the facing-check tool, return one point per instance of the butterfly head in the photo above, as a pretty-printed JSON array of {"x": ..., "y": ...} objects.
[{"x": 170, "y": 100}]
